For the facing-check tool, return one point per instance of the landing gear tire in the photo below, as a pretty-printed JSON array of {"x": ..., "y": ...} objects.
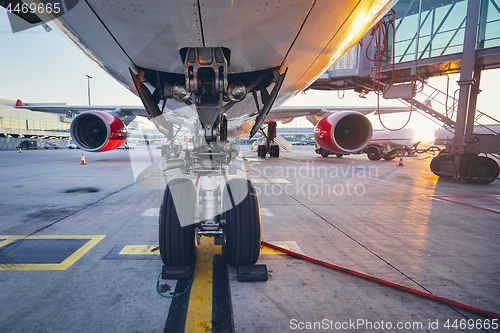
[
  {"x": 178, "y": 244},
  {"x": 481, "y": 170},
  {"x": 373, "y": 154},
  {"x": 243, "y": 224},
  {"x": 274, "y": 151},
  {"x": 262, "y": 151},
  {"x": 339, "y": 155},
  {"x": 324, "y": 153}
]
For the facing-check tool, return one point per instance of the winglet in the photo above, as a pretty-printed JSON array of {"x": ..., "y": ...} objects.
[{"x": 19, "y": 103}]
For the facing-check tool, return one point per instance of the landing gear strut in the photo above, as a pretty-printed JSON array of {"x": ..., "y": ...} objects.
[
  {"x": 269, "y": 147},
  {"x": 230, "y": 214}
]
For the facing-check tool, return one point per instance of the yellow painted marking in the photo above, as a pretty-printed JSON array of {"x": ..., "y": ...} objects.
[
  {"x": 7, "y": 240},
  {"x": 290, "y": 245},
  {"x": 199, "y": 312},
  {"x": 271, "y": 180},
  {"x": 268, "y": 250},
  {"x": 65, "y": 264},
  {"x": 279, "y": 181},
  {"x": 140, "y": 249},
  {"x": 259, "y": 181}
]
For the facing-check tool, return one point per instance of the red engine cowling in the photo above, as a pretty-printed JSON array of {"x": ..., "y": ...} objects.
[
  {"x": 98, "y": 131},
  {"x": 345, "y": 132}
]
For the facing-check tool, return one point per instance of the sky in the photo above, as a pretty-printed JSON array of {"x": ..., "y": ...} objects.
[{"x": 40, "y": 66}]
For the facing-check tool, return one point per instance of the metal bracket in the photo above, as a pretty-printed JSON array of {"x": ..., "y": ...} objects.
[
  {"x": 205, "y": 57},
  {"x": 209, "y": 111},
  {"x": 145, "y": 95},
  {"x": 268, "y": 104},
  {"x": 150, "y": 105}
]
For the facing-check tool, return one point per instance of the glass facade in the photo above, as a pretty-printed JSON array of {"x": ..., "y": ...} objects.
[
  {"x": 9, "y": 123},
  {"x": 442, "y": 27}
]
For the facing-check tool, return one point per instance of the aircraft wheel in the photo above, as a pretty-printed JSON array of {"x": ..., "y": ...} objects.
[
  {"x": 373, "y": 154},
  {"x": 339, "y": 155},
  {"x": 178, "y": 243},
  {"x": 275, "y": 151},
  {"x": 324, "y": 153},
  {"x": 482, "y": 170},
  {"x": 262, "y": 151},
  {"x": 243, "y": 224}
]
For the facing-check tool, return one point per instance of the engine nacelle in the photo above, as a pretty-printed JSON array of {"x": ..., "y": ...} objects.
[
  {"x": 345, "y": 132},
  {"x": 98, "y": 131}
]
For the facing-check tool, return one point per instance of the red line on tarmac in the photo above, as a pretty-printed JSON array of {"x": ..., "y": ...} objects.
[
  {"x": 386, "y": 282},
  {"x": 493, "y": 197},
  {"x": 447, "y": 199}
]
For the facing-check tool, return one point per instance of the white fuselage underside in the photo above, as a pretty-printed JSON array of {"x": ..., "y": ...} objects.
[{"x": 305, "y": 36}]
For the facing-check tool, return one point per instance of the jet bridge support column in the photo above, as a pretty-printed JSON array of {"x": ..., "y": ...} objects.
[
  {"x": 460, "y": 158},
  {"x": 471, "y": 112},
  {"x": 466, "y": 79}
]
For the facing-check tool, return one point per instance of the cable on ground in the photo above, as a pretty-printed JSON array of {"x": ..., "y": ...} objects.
[
  {"x": 173, "y": 295},
  {"x": 386, "y": 282}
]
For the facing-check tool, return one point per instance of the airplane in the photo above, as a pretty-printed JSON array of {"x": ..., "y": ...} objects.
[{"x": 218, "y": 67}]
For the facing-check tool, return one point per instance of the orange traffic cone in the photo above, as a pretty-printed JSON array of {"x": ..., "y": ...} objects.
[
  {"x": 401, "y": 160},
  {"x": 83, "y": 162}
]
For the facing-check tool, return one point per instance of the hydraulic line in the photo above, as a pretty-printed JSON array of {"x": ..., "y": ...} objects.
[
  {"x": 432, "y": 149},
  {"x": 385, "y": 282},
  {"x": 380, "y": 35}
]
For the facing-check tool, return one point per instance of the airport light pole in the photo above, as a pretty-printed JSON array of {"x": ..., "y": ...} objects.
[{"x": 88, "y": 85}]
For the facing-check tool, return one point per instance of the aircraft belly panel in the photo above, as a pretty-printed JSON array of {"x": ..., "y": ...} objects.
[
  {"x": 151, "y": 32},
  {"x": 304, "y": 36},
  {"x": 259, "y": 34}
]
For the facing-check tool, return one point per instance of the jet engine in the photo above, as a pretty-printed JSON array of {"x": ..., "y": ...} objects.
[
  {"x": 345, "y": 132},
  {"x": 98, "y": 131}
]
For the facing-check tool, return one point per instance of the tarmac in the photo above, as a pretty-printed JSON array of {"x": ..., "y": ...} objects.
[{"x": 78, "y": 248}]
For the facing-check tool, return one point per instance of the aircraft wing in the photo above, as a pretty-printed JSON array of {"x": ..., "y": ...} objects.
[
  {"x": 288, "y": 113},
  {"x": 64, "y": 108}
]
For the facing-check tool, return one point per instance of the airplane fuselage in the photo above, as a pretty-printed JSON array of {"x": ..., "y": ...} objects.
[{"x": 304, "y": 36}]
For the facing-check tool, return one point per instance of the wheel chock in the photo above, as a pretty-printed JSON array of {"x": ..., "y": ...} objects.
[
  {"x": 251, "y": 273},
  {"x": 218, "y": 240},
  {"x": 176, "y": 272}
]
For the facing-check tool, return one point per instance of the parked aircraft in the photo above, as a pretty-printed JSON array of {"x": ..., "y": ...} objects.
[{"x": 219, "y": 68}]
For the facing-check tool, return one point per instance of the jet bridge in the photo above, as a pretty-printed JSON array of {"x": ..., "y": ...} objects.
[{"x": 419, "y": 39}]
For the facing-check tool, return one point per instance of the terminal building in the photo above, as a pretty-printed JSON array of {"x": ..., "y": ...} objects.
[{"x": 17, "y": 125}]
